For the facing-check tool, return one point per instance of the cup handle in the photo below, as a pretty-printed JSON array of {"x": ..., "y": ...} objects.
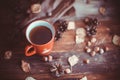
[{"x": 30, "y": 50}]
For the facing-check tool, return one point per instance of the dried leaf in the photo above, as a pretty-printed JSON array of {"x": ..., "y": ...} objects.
[
  {"x": 25, "y": 66},
  {"x": 73, "y": 60}
]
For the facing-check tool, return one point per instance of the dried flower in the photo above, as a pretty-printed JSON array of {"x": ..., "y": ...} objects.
[
  {"x": 8, "y": 55},
  {"x": 57, "y": 69}
]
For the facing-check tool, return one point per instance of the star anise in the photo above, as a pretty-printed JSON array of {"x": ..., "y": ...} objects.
[{"x": 57, "y": 69}]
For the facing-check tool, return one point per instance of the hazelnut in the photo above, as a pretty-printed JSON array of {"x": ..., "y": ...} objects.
[
  {"x": 67, "y": 71},
  {"x": 93, "y": 40},
  {"x": 102, "y": 10},
  {"x": 89, "y": 43},
  {"x": 87, "y": 61},
  {"x": 107, "y": 48},
  {"x": 50, "y": 58},
  {"x": 101, "y": 51},
  {"x": 88, "y": 50},
  {"x": 45, "y": 58},
  {"x": 96, "y": 49},
  {"x": 93, "y": 53}
]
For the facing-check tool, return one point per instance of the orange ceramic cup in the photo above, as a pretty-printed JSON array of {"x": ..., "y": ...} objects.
[{"x": 41, "y": 36}]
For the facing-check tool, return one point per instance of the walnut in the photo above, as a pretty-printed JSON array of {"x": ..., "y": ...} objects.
[
  {"x": 25, "y": 66},
  {"x": 8, "y": 55}
]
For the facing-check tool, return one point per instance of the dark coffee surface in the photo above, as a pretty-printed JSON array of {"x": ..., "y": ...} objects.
[{"x": 40, "y": 35}]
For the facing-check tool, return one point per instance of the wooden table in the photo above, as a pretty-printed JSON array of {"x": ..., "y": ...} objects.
[{"x": 101, "y": 67}]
